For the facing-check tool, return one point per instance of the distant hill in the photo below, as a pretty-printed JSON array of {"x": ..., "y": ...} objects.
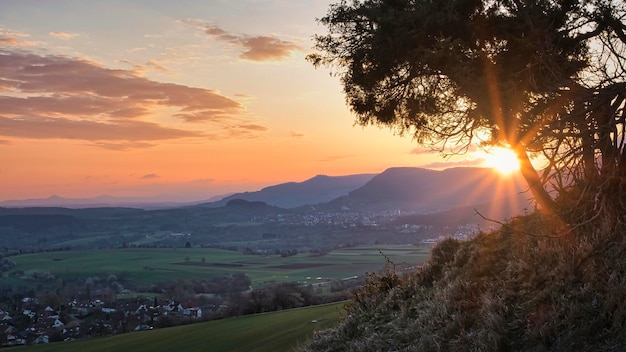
[
  {"x": 76, "y": 212},
  {"x": 96, "y": 202},
  {"x": 315, "y": 190},
  {"x": 428, "y": 191},
  {"x": 38, "y": 223}
]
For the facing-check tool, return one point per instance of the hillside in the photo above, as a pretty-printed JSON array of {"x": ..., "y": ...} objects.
[
  {"x": 277, "y": 331},
  {"x": 315, "y": 190},
  {"x": 530, "y": 286},
  {"x": 418, "y": 189}
]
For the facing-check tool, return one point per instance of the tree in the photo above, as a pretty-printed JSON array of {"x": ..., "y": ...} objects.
[{"x": 545, "y": 78}]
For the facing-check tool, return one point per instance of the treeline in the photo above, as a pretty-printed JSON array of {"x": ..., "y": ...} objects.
[
  {"x": 233, "y": 295},
  {"x": 285, "y": 295}
]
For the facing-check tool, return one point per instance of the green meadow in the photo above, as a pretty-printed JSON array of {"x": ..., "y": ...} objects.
[
  {"x": 144, "y": 266},
  {"x": 276, "y": 331}
]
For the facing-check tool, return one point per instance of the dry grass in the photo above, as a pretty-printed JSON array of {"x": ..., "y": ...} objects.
[{"x": 526, "y": 287}]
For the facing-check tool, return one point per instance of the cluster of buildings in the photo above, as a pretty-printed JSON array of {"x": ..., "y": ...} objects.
[
  {"x": 340, "y": 218},
  {"x": 34, "y": 323}
]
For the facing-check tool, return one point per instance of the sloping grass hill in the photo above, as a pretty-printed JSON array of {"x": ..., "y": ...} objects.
[
  {"x": 534, "y": 285},
  {"x": 267, "y": 332}
]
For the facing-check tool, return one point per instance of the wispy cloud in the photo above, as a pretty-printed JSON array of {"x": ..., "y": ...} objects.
[
  {"x": 255, "y": 48},
  {"x": 149, "y": 176},
  {"x": 63, "y": 35},
  {"x": 5, "y": 142},
  {"x": 69, "y": 98},
  {"x": 42, "y": 127},
  {"x": 421, "y": 151},
  {"x": 150, "y": 65},
  {"x": 14, "y": 39},
  {"x": 294, "y": 134},
  {"x": 266, "y": 48},
  {"x": 246, "y": 130},
  {"x": 121, "y": 146},
  {"x": 8, "y": 40}
]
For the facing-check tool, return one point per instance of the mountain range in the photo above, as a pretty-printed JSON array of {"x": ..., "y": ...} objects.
[
  {"x": 409, "y": 189},
  {"x": 318, "y": 189},
  {"x": 424, "y": 189}
]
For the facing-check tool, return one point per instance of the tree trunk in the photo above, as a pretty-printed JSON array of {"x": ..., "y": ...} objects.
[{"x": 541, "y": 196}]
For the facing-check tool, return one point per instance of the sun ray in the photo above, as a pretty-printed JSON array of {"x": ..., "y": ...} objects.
[{"x": 502, "y": 159}]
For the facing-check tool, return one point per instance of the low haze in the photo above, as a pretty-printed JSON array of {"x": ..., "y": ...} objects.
[{"x": 188, "y": 99}]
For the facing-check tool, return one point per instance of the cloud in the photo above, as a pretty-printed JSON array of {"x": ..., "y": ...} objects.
[
  {"x": 449, "y": 164},
  {"x": 150, "y": 65},
  {"x": 157, "y": 66},
  {"x": 266, "y": 48},
  {"x": 255, "y": 48},
  {"x": 40, "y": 127},
  {"x": 149, "y": 176},
  {"x": 294, "y": 134},
  {"x": 9, "y": 40},
  {"x": 63, "y": 35},
  {"x": 246, "y": 130},
  {"x": 13, "y": 39},
  {"x": 5, "y": 142},
  {"x": 219, "y": 33},
  {"x": 421, "y": 151},
  {"x": 253, "y": 127},
  {"x": 120, "y": 146},
  {"x": 57, "y": 97}
]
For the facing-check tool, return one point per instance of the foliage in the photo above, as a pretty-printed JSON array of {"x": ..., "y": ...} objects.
[
  {"x": 541, "y": 77},
  {"x": 516, "y": 289}
]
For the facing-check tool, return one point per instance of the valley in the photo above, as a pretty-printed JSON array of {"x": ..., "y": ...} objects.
[{"x": 72, "y": 273}]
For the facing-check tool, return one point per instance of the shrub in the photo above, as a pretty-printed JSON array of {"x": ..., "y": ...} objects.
[{"x": 529, "y": 286}]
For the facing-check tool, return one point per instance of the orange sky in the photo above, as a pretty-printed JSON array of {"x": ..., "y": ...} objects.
[{"x": 185, "y": 98}]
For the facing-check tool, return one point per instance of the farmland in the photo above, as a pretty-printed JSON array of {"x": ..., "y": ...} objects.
[
  {"x": 144, "y": 266},
  {"x": 276, "y": 331}
]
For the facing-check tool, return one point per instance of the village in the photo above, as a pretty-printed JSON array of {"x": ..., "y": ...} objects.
[{"x": 30, "y": 322}]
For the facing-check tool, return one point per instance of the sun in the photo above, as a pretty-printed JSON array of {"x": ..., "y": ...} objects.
[{"x": 502, "y": 159}]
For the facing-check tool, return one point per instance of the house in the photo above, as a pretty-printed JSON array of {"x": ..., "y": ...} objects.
[
  {"x": 41, "y": 339},
  {"x": 48, "y": 312},
  {"x": 135, "y": 308},
  {"x": 142, "y": 327},
  {"x": 9, "y": 330},
  {"x": 50, "y": 322},
  {"x": 13, "y": 340},
  {"x": 82, "y": 309},
  {"x": 4, "y": 316},
  {"x": 190, "y": 309},
  {"x": 29, "y": 312}
]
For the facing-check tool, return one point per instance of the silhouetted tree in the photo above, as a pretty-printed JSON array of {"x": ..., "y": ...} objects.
[{"x": 545, "y": 78}]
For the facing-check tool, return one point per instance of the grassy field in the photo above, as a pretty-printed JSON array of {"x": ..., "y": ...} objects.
[
  {"x": 149, "y": 265},
  {"x": 277, "y": 331}
]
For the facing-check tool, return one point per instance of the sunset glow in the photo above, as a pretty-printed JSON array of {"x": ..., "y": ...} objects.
[
  {"x": 502, "y": 159},
  {"x": 185, "y": 99}
]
